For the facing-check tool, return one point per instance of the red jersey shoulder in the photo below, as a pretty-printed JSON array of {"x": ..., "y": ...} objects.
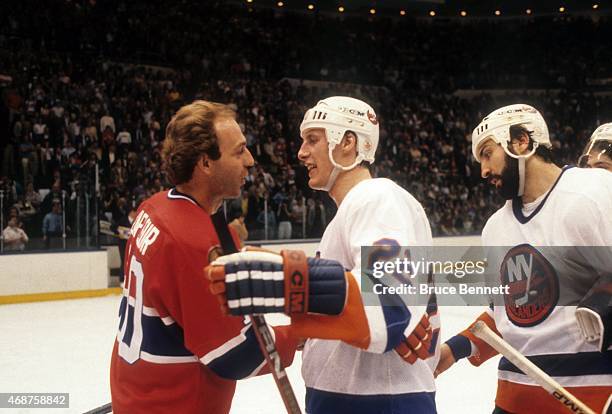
[{"x": 181, "y": 220}]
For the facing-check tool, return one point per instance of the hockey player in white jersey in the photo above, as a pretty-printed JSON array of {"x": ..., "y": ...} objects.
[
  {"x": 340, "y": 136},
  {"x": 372, "y": 359},
  {"x": 598, "y": 151},
  {"x": 558, "y": 312}
]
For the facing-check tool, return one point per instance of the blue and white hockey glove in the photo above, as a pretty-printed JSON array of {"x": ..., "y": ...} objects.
[
  {"x": 594, "y": 317},
  {"x": 265, "y": 282}
]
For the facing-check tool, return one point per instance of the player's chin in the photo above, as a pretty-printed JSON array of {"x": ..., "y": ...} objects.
[
  {"x": 314, "y": 183},
  {"x": 235, "y": 191}
]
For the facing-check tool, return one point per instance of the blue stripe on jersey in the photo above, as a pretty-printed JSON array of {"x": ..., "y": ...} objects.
[
  {"x": 240, "y": 361},
  {"x": 122, "y": 312},
  {"x": 129, "y": 329},
  {"x": 157, "y": 338},
  {"x": 396, "y": 314},
  {"x": 324, "y": 402},
  {"x": 567, "y": 365},
  {"x": 161, "y": 339},
  {"x": 434, "y": 341},
  {"x": 397, "y": 318}
]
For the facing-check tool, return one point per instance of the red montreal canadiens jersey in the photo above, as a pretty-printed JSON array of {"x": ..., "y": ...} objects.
[{"x": 175, "y": 351}]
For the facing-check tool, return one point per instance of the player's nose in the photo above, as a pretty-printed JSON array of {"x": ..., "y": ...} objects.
[
  {"x": 485, "y": 171},
  {"x": 249, "y": 161},
  {"x": 303, "y": 153}
]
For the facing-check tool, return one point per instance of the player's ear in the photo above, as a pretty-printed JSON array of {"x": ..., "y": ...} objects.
[
  {"x": 520, "y": 145},
  {"x": 204, "y": 164},
  {"x": 349, "y": 141}
]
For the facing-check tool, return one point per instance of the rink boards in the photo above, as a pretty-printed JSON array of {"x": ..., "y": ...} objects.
[{"x": 32, "y": 277}]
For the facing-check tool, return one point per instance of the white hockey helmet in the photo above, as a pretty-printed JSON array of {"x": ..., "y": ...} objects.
[
  {"x": 497, "y": 125},
  {"x": 337, "y": 115},
  {"x": 601, "y": 139}
]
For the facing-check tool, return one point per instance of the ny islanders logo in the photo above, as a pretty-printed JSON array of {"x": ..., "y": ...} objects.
[
  {"x": 533, "y": 286},
  {"x": 372, "y": 118}
]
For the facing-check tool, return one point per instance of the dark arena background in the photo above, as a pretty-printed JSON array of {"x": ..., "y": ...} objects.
[{"x": 87, "y": 89}]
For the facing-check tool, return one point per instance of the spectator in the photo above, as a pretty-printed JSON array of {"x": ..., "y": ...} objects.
[
  {"x": 59, "y": 93},
  {"x": 31, "y": 196},
  {"x": 107, "y": 121},
  {"x": 267, "y": 217},
  {"x": 124, "y": 140},
  {"x": 52, "y": 227},
  {"x": 316, "y": 218},
  {"x": 14, "y": 236},
  {"x": 284, "y": 220},
  {"x": 297, "y": 217},
  {"x": 54, "y": 195}
]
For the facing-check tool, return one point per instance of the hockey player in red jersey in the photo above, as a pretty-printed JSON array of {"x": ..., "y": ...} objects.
[
  {"x": 563, "y": 325},
  {"x": 175, "y": 351}
]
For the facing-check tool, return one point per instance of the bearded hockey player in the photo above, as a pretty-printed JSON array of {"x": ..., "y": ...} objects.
[
  {"x": 598, "y": 151},
  {"x": 383, "y": 358},
  {"x": 558, "y": 310}
]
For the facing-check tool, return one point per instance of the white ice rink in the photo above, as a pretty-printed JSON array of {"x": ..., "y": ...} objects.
[{"x": 65, "y": 346}]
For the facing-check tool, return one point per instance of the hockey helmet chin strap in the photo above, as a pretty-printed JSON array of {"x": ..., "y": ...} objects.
[
  {"x": 333, "y": 175},
  {"x": 521, "y": 164}
]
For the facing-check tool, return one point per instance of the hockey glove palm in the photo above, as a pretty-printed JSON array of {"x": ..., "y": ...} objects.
[{"x": 417, "y": 344}]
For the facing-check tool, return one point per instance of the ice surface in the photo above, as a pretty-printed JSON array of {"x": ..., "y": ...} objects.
[{"x": 65, "y": 346}]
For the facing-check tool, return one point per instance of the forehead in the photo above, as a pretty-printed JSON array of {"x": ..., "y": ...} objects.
[
  {"x": 487, "y": 142},
  {"x": 599, "y": 155},
  {"x": 228, "y": 132},
  {"x": 314, "y": 133}
]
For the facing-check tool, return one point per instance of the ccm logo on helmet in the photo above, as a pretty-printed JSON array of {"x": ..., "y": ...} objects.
[
  {"x": 518, "y": 110},
  {"x": 351, "y": 111},
  {"x": 533, "y": 286}
]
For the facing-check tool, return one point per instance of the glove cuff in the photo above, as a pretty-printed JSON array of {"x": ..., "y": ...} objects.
[
  {"x": 295, "y": 268},
  {"x": 460, "y": 346}
]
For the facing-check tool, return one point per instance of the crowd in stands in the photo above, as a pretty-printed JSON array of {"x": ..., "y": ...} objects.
[{"x": 81, "y": 119}]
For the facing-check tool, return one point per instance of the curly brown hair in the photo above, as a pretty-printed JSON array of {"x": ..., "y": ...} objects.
[{"x": 189, "y": 135}]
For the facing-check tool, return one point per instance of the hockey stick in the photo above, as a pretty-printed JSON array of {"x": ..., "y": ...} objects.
[
  {"x": 103, "y": 409},
  {"x": 261, "y": 329},
  {"x": 573, "y": 404}
]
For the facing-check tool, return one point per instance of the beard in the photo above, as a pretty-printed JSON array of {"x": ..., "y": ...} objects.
[{"x": 509, "y": 179}]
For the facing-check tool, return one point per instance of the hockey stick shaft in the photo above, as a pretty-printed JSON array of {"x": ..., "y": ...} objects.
[
  {"x": 573, "y": 404},
  {"x": 103, "y": 409},
  {"x": 261, "y": 328},
  {"x": 268, "y": 348}
]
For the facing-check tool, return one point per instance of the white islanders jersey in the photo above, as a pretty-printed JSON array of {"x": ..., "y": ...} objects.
[
  {"x": 375, "y": 211},
  {"x": 546, "y": 284}
]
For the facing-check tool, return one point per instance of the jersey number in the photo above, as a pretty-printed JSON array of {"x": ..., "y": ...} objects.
[{"x": 130, "y": 325}]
